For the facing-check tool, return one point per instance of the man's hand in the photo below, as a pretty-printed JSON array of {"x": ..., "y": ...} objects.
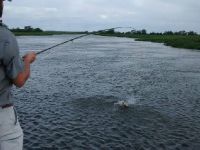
[{"x": 29, "y": 57}]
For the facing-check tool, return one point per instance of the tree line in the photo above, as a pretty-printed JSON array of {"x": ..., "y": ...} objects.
[
  {"x": 112, "y": 31},
  {"x": 144, "y": 32},
  {"x": 27, "y": 29}
]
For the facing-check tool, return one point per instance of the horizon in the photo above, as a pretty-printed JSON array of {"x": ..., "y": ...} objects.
[{"x": 116, "y": 30}]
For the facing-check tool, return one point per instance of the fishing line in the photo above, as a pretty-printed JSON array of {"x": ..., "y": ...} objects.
[{"x": 78, "y": 37}]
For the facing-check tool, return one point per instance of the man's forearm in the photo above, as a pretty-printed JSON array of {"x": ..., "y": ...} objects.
[
  {"x": 26, "y": 71},
  {"x": 22, "y": 77}
]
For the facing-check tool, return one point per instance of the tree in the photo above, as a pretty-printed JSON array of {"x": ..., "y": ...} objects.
[
  {"x": 38, "y": 30},
  {"x": 111, "y": 31},
  {"x": 192, "y": 33},
  {"x": 168, "y": 33},
  {"x": 143, "y": 31},
  {"x": 28, "y": 28}
]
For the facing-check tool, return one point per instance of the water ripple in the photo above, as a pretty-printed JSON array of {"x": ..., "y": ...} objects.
[{"x": 69, "y": 101}]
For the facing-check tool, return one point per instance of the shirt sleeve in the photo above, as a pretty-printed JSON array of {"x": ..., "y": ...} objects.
[{"x": 11, "y": 59}]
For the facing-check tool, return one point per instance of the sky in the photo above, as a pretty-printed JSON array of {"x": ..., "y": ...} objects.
[{"x": 90, "y": 15}]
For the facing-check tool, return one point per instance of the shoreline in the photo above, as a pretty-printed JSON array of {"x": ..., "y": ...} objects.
[
  {"x": 45, "y": 33},
  {"x": 176, "y": 41}
]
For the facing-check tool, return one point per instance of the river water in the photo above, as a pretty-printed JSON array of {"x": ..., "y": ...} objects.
[{"x": 68, "y": 103}]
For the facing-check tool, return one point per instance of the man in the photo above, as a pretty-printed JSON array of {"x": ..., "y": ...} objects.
[{"x": 13, "y": 70}]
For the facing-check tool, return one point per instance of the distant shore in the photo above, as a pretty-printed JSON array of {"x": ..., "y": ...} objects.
[
  {"x": 44, "y": 33},
  {"x": 177, "y": 41}
]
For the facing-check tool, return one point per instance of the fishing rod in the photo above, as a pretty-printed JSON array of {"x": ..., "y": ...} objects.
[{"x": 78, "y": 37}]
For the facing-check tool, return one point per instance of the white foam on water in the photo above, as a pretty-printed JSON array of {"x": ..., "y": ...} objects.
[{"x": 127, "y": 102}]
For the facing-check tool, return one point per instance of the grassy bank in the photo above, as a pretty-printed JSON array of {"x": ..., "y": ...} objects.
[
  {"x": 178, "y": 41},
  {"x": 32, "y": 33},
  {"x": 45, "y": 33}
]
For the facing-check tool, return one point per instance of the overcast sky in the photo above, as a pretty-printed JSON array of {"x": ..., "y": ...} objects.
[{"x": 74, "y": 15}]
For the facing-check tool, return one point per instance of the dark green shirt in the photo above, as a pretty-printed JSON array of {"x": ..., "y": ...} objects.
[{"x": 11, "y": 63}]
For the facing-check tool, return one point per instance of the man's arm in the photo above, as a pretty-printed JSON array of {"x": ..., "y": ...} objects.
[{"x": 22, "y": 77}]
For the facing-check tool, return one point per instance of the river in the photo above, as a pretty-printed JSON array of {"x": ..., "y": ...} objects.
[{"x": 68, "y": 103}]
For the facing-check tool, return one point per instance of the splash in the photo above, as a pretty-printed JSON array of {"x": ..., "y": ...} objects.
[{"x": 128, "y": 102}]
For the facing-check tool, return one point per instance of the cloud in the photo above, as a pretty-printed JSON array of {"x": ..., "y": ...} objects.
[
  {"x": 103, "y": 16},
  {"x": 154, "y": 15},
  {"x": 25, "y": 12}
]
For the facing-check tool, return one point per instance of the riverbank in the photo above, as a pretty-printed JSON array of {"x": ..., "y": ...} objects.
[
  {"x": 177, "y": 41},
  {"x": 44, "y": 33}
]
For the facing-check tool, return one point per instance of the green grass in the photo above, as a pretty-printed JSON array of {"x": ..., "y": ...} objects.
[
  {"x": 45, "y": 33},
  {"x": 178, "y": 41},
  {"x": 32, "y": 33}
]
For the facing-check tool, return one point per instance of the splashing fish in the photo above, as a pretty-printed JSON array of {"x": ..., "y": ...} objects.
[{"x": 122, "y": 103}]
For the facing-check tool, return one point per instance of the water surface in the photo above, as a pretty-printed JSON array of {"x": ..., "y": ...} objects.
[{"x": 69, "y": 101}]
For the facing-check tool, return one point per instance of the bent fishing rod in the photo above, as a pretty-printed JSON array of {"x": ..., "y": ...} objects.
[{"x": 78, "y": 37}]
